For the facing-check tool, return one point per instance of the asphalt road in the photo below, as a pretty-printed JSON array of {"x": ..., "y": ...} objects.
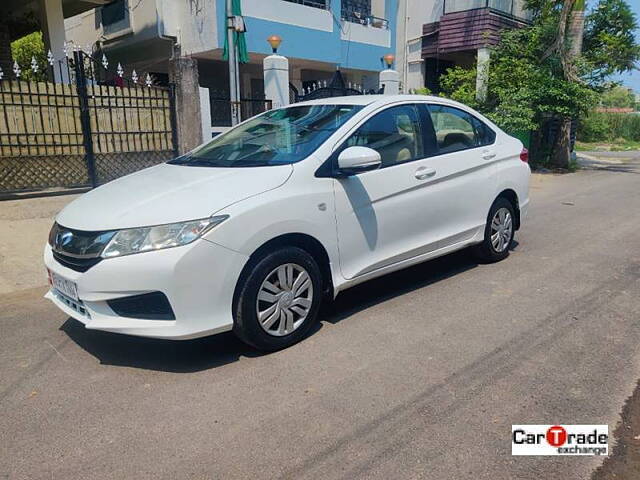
[{"x": 416, "y": 375}]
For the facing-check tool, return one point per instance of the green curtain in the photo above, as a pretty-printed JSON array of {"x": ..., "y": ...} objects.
[{"x": 240, "y": 41}]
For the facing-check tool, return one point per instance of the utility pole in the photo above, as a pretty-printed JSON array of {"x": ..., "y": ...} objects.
[{"x": 234, "y": 90}]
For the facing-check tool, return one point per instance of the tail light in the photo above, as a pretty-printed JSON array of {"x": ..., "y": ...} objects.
[{"x": 524, "y": 155}]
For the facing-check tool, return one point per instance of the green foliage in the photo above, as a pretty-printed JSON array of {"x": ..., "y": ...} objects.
[
  {"x": 609, "y": 127},
  {"x": 618, "y": 97},
  {"x": 459, "y": 84},
  {"x": 609, "y": 45},
  {"x": 523, "y": 89},
  {"x": 28, "y": 47},
  {"x": 421, "y": 91}
]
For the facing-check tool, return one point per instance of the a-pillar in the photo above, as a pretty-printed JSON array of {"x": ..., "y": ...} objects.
[
  {"x": 390, "y": 80},
  {"x": 183, "y": 73},
  {"x": 482, "y": 77},
  {"x": 276, "y": 80},
  {"x": 52, "y": 24}
]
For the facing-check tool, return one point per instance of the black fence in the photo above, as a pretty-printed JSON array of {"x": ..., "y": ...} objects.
[{"x": 75, "y": 122}]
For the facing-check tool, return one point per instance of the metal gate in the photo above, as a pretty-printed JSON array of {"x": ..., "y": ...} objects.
[
  {"x": 89, "y": 126},
  {"x": 337, "y": 87}
]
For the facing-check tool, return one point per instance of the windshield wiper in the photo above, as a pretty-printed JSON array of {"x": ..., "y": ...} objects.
[{"x": 194, "y": 162}]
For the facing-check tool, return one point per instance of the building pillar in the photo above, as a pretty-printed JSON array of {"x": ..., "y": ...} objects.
[
  {"x": 390, "y": 80},
  {"x": 482, "y": 77},
  {"x": 52, "y": 23},
  {"x": 205, "y": 114},
  {"x": 276, "y": 80},
  {"x": 183, "y": 73}
]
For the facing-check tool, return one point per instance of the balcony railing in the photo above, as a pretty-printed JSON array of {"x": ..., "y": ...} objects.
[
  {"x": 323, "y": 4},
  {"x": 512, "y": 8}
]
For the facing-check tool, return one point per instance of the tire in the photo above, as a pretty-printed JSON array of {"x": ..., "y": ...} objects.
[
  {"x": 286, "y": 313},
  {"x": 501, "y": 215}
]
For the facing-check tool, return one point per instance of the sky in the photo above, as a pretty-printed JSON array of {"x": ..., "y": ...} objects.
[{"x": 632, "y": 79}]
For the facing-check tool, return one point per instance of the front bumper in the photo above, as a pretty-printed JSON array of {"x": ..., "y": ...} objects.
[{"x": 198, "y": 279}]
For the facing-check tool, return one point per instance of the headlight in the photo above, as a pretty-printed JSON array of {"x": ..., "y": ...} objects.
[{"x": 145, "y": 239}]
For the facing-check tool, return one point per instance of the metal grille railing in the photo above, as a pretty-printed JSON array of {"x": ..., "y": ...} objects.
[
  {"x": 512, "y": 8},
  {"x": 323, "y": 4},
  {"x": 86, "y": 127}
]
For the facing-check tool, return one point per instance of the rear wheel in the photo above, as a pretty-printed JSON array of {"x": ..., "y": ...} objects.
[
  {"x": 279, "y": 299},
  {"x": 498, "y": 233}
]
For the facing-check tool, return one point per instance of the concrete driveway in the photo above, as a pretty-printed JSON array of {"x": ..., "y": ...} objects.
[{"x": 416, "y": 375}]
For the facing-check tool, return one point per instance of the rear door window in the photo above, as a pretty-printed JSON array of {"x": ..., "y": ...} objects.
[
  {"x": 454, "y": 128},
  {"x": 395, "y": 133}
]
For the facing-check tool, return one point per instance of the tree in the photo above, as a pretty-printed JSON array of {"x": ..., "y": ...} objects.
[
  {"x": 609, "y": 45},
  {"x": 540, "y": 74},
  {"x": 618, "y": 97},
  {"x": 27, "y": 48},
  {"x": 568, "y": 47}
]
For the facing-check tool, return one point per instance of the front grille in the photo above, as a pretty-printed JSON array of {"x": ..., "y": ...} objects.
[
  {"x": 77, "y": 264},
  {"x": 148, "y": 306},
  {"x": 77, "y": 249}
]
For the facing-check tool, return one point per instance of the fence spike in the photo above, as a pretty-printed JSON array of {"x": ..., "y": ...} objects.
[
  {"x": 120, "y": 70},
  {"x": 324, "y": 84},
  {"x": 34, "y": 64},
  {"x": 50, "y": 57},
  {"x": 134, "y": 76},
  {"x": 16, "y": 69},
  {"x": 1, "y": 73},
  {"x": 147, "y": 80},
  {"x": 105, "y": 62}
]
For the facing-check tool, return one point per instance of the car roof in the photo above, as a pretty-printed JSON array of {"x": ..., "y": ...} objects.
[{"x": 377, "y": 99}]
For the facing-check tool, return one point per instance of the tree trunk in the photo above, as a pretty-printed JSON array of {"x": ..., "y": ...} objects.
[
  {"x": 575, "y": 32},
  {"x": 562, "y": 145}
]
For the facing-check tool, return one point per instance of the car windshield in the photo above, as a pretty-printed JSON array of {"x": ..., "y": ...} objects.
[{"x": 277, "y": 137}]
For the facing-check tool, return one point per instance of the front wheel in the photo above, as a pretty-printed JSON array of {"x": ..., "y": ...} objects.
[
  {"x": 279, "y": 299},
  {"x": 498, "y": 233}
]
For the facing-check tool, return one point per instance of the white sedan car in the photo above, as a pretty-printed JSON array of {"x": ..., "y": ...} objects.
[{"x": 252, "y": 230}]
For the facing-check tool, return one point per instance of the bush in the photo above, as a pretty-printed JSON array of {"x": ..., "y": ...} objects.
[
  {"x": 24, "y": 49},
  {"x": 594, "y": 127},
  {"x": 608, "y": 127}
]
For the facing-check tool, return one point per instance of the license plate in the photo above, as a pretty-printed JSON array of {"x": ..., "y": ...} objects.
[{"x": 67, "y": 287}]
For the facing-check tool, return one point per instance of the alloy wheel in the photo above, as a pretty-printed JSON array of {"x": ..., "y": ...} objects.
[{"x": 284, "y": 299}]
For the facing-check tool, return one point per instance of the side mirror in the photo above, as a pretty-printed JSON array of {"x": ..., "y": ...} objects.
[{"x": 354, "y": 160}]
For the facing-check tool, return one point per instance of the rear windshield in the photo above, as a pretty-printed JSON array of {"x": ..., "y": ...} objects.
[{"x": 278, "y": 137}]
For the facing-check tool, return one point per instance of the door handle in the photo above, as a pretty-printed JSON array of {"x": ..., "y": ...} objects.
[
  {"x": 424, "y": 172},
  {"x": 488, "y": 154}
]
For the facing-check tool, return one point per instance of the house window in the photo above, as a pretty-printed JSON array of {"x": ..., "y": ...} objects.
[
  {"x": 357, "y": 11},
  {"x": 113, "y": 12}
]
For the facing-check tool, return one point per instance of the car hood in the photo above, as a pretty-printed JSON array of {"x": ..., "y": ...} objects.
[{"x": 168, "y": 193}]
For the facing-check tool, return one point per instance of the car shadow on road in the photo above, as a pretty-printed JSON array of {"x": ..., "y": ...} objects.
[
  {"x": 178, "y": 356},
  {"x": 395, "y": 284},
  {"x": 205, "y": 353}
]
